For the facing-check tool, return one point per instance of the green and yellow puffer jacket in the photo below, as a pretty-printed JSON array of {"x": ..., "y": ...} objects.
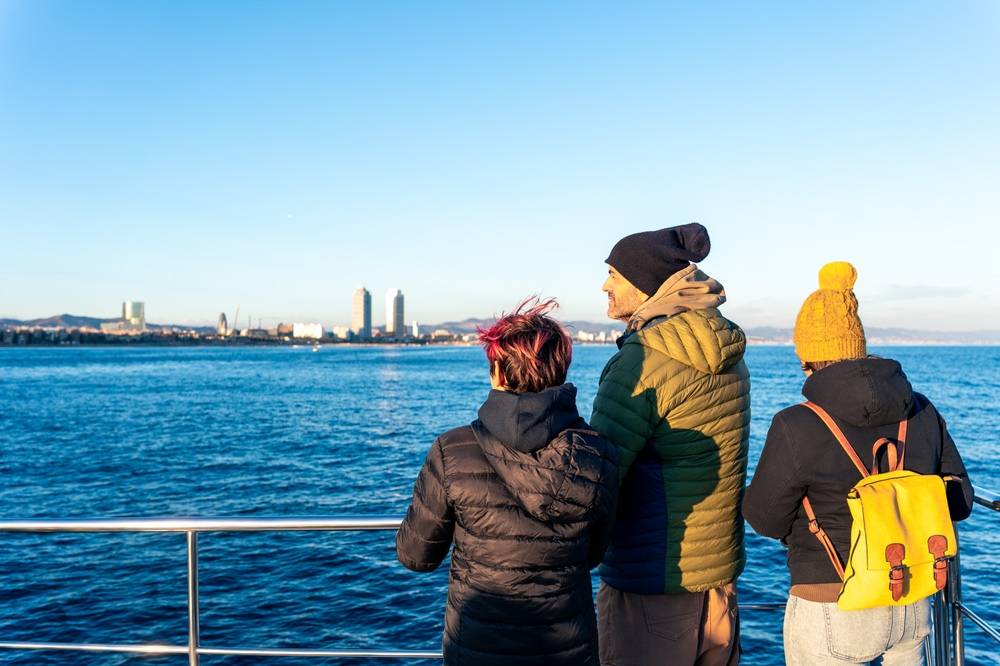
[{"x": 676, "y": 401}]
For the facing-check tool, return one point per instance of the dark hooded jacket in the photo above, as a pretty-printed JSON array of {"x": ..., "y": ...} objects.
[
  {"x": 867, "y": 398},
  {"x": 527, "y": 493}
]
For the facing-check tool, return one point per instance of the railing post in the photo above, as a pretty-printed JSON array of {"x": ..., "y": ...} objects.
[
  {"x": 954, "y": 593},
  {"x": 941, "y": 633},
  {"x": 194, "y": 639}
]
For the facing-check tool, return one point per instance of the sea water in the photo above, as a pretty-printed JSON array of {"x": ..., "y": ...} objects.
[{"x": 279, "y": 431}]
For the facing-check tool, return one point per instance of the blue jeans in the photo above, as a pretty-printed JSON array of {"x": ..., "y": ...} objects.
[{"x": 819, "y": 633}]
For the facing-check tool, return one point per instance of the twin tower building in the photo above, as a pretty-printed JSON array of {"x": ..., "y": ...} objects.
[{"x": 361, "y": 314}]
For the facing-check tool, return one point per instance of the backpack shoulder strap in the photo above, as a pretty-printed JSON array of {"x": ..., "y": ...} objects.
[
  {"x": 814, "y": 527},
  {"x": 896, "y": 449},
  {"x": 839, "y": 435},
  {"x": 817, "y": 531}
]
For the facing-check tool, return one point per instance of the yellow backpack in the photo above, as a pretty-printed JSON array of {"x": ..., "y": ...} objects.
[{"x": 901, "y": 533}]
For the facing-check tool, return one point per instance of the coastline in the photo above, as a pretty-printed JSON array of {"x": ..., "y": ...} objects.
[
  {"x": 40, "y": 336},
  {"x": 306, "y": 343}
]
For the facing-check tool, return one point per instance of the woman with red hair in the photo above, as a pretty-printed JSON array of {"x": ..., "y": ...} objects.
[{"x": 526, "y": 493}]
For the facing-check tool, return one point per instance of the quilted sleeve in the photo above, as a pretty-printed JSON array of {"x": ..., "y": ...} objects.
[
  {"x": 625, "y": 409},
  {"x": 425, "y": 535}
]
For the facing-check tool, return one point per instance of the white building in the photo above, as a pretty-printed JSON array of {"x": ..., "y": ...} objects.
[
  {"x": 394, "y": 320},
  {"x": 342, "y": 332},
  {"x": 361, "y": 314},
  {"x": 300, "y": 330},
  {"x": 115, "y": 326},
  {"x": 134, "y": 315},
  {"x": 416, "y": 329}
]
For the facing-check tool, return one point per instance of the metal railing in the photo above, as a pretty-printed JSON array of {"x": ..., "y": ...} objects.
[
  {"x": 192, "y": 527},
  {"x": 949, "y": 610}
]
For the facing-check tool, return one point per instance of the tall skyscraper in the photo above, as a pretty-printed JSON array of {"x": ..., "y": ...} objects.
[
  {"x": 394, "y": 325},
  {"x": 134, "y": 314},
  {"x": 361, "y": 314}
]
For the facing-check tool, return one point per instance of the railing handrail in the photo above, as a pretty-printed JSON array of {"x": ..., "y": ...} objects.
[
  {"x": 193, "y": 526},
  {"x": 987, "y": 498},
  {"x": 159, "y": 649},
  {"x": 262, "y": 524}
]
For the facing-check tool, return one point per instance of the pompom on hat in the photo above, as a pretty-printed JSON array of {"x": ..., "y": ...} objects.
[{"x": 828, "y": 327}]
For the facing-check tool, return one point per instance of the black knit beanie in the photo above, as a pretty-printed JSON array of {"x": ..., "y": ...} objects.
[{"x": 648, "y": 258}]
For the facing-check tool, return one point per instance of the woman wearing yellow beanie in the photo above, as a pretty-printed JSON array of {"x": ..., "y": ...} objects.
[{"x": 867, "y": 398}]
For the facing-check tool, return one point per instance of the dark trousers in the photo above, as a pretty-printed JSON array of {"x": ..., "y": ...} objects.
[{"x": 688, "y": 628}]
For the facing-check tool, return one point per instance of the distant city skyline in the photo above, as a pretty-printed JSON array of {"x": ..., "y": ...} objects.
[
  {"x": 339, "y": 315},
  {"x": 203, "y": 158}
]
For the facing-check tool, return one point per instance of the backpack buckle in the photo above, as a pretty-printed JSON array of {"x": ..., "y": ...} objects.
[
  {"x": 937, "y": 545},
  {"x": 941, "y": 572},
  {"x": 894, "y": 554}
]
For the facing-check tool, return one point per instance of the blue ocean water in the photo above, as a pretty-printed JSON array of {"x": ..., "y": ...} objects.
[{"x": 114, "y": 432}]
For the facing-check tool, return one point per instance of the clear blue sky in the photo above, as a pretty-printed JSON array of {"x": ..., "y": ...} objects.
[{"x": 200, "y": 156}]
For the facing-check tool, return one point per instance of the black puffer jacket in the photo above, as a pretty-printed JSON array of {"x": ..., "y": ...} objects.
[
  {"x": 867, "y": 398},
  {"x": 527, "y": 493}
]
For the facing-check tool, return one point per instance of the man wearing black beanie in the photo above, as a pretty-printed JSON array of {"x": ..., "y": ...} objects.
[{"x": 675, "y": 399}]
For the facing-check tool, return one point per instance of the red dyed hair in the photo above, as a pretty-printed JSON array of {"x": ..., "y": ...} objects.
[{"x": 531, "y": 348}]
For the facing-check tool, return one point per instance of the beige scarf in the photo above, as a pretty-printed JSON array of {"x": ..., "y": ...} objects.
[{"x": 687, "y": 289}]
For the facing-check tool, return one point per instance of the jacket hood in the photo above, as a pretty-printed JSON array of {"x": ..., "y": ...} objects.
[
  {"x": 528, "y": 421},
  {"x": 687, "y": 289},
  {"x": 536, "y": 443},
  {"x": 701, "y": 339},
  {"x": 864, "y": 392}
]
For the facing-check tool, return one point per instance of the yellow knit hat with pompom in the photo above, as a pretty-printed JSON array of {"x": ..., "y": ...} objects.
[{"x": 828, "y": 327}]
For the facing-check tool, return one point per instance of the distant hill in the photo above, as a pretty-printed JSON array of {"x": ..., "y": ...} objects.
[
  {"x": 888, "y": 336},
  {"x": 470, "y": 325},
  {"x": 770, "y": 334},
  {"x": 461, "y": 327},
  {"x": 58, "y": 321},
  {"x": 79, "y": 321}
]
